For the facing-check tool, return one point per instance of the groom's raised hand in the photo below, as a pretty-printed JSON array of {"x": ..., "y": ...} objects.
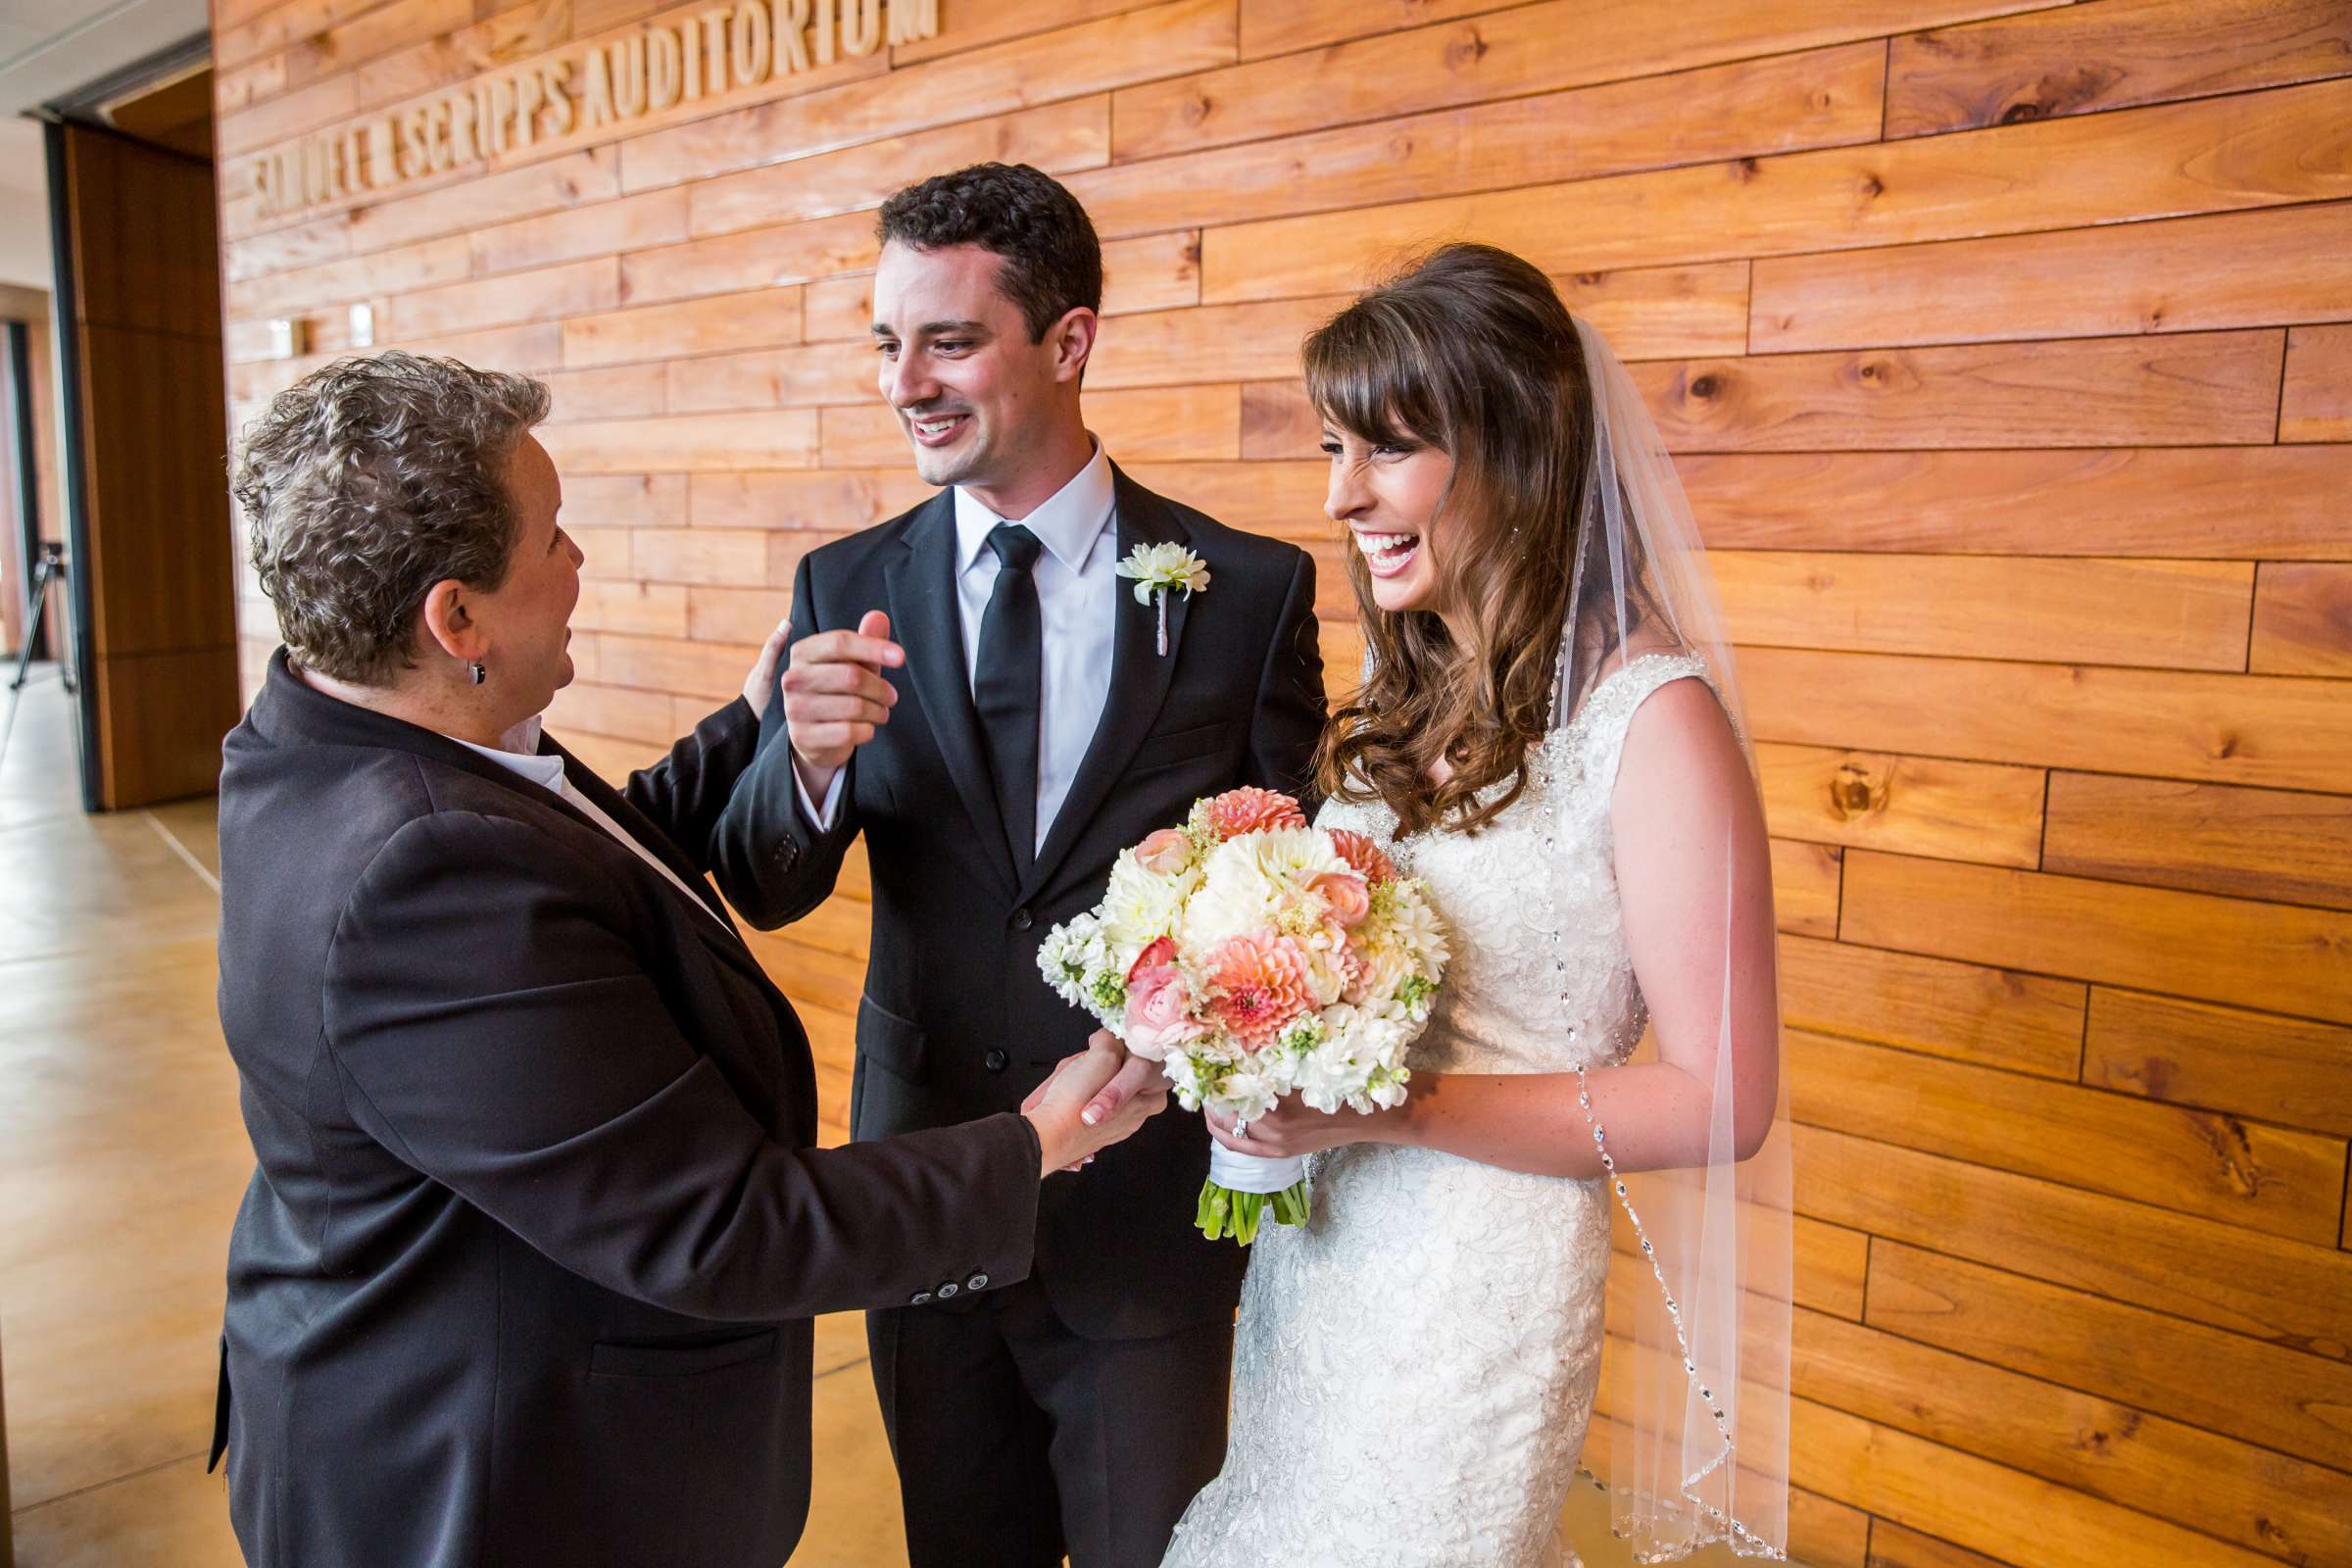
[{"x": 835, "y": 696}]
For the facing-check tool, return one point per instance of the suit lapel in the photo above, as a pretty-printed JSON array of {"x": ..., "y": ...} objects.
[
  {"x": 640, "y": 827},
  {"x": 925, "y": 620},
  {"x": 285, "y": 700},
  {"x": 1138, "y": 681},
  {"x": 721, "y": 936}
]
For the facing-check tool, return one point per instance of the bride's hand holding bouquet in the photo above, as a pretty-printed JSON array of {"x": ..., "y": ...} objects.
[
  {"x": 1259, "y": 961},
  {"x": 1293, "y": 1129}
]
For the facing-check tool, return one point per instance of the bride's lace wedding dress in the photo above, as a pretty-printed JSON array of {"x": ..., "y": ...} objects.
[{"x": 1414, "y": 1367}]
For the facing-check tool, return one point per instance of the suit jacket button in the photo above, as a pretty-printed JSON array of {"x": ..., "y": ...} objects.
[
  {"x": 997, "y": 1061},
  {"x": 1022, "y": 919},
  {"x": 947, "y": 1291},
  {"x": 978, "y": 1282},
  {"x": 919, "y": 1299}
]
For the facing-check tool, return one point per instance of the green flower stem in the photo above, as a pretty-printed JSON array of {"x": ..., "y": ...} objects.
[{"x": 1223, "y": 1212}]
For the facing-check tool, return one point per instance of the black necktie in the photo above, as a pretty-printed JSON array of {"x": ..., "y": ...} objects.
[{"x": 1008, "y": 684}]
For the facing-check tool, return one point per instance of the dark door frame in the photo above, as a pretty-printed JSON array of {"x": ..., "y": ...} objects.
[
  {"x": 72, "y": 455},
  {"x": 27, "y": 465}
]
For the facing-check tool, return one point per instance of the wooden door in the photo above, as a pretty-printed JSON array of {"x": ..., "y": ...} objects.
[{"x": 156, "y": 551}]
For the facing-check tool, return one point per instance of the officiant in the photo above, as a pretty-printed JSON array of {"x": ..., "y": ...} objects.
[{"x": 525, "y": 1267}]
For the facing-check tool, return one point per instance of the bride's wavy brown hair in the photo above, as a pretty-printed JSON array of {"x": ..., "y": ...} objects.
[{"x": 1468, "y": 350}]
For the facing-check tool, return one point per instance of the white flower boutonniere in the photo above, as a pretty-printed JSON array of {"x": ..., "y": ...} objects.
[{"x": 1157, "y": 568}]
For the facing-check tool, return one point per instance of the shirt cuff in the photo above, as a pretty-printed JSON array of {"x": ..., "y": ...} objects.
[{"x": 820, "y": 819}]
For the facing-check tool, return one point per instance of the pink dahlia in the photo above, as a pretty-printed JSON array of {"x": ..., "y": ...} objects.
[
  {"x": 1249, "y": 809},
  {"x": 1259, "y": 985},
  {"x": 1369, "y": 860}
]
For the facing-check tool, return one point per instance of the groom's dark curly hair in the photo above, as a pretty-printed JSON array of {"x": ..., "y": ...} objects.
[{"x": 1052, "y": 262}]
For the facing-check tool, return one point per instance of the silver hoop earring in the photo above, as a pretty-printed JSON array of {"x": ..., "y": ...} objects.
[{"x": 479, "y": 673}]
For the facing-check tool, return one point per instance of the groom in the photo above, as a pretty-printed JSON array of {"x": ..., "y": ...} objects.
[{"x": 974, "y": 688}]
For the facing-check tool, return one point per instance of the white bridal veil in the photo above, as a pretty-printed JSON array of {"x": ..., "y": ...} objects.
[{"x": 1691, "y": 1435}]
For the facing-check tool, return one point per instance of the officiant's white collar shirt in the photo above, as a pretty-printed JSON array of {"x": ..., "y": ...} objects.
[{"x": 1077, "y": 601}]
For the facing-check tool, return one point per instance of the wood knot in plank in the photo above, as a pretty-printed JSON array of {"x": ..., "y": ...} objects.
[
  {"x": 2226, "y": 1137},
  {"x": 1465, "y": 51},
  {"x": 2153, "y": 1074},
  {"x": 1855, "y": 791},
  {"x": 2097, "y": 1440},
  {"x": 2064, "y": 92}
]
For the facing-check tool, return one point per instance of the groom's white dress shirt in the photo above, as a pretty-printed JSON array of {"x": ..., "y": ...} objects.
[
  {"x": 522, "y": 758},
  {"x": 1077, "y": 601}
]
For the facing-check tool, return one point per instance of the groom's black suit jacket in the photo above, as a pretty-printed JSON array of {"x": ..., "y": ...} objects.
[
  {"x": 525, "y": 1271},
  {"x": 956, "y": 1020}
]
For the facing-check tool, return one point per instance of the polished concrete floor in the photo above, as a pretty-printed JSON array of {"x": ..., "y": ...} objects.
[{"x": 122, "y": 1162}]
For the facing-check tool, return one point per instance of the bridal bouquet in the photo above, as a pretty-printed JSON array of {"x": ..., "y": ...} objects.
[{"x": 1252, "y": 955}]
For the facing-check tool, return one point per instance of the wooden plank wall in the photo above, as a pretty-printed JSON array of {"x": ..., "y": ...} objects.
[{"x": 2007, "y": 349}]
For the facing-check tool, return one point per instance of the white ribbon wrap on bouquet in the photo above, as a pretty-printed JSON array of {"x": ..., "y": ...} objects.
[{"x": 1253, "y": 1173}]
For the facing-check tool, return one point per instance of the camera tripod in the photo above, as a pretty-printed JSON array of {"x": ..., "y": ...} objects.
[{"x": 49, "y": 569}]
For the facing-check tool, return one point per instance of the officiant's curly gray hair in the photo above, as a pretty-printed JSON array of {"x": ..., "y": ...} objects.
[{"x": 367, "y": 482}]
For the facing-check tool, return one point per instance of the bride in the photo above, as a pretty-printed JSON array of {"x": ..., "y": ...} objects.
[{"x": 1548, "y": 735}]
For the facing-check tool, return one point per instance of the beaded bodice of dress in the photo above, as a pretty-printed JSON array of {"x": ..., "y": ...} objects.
[
  {"x": 1501, "y": 1008},
  {"x": 1414, "y": 1368}
]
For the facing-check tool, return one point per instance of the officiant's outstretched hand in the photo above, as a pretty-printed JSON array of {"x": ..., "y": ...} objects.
[
  {"x": 525, "y": 1267},
  {"x": 1094, "y": 1099}
]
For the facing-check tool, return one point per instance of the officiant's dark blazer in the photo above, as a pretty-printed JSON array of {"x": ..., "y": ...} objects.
[
  {"x": 955, "y": 1021},
  {"x": 525, "y": 1271}
]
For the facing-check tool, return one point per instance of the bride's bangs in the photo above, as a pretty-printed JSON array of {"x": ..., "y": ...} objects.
[{"x": 1369, "y": 374}]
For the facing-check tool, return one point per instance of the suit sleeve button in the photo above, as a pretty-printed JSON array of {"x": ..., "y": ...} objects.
[
  {"x": 978, "y": 1282},
  {"x": 919, "y": 1299},
  {"x": 946, "y": 1292},
  {"x": 997, "y": 1061}
]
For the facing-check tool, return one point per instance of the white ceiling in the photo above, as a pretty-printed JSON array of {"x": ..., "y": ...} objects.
[
  {"x": 49, "y": 48},
  {"x": 24, "y": 204}
]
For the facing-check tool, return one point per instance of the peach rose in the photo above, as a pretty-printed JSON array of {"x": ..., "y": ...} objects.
[
  {"x": 1370, "y": 861},
  {"x": 1347, "y": 895},
  {"x": 1159, "y": 1013},
  {"x": 1164, "y": 851},
  {"x": 1263, "y": 984},
  {"x": 1249, "y": 809}
]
